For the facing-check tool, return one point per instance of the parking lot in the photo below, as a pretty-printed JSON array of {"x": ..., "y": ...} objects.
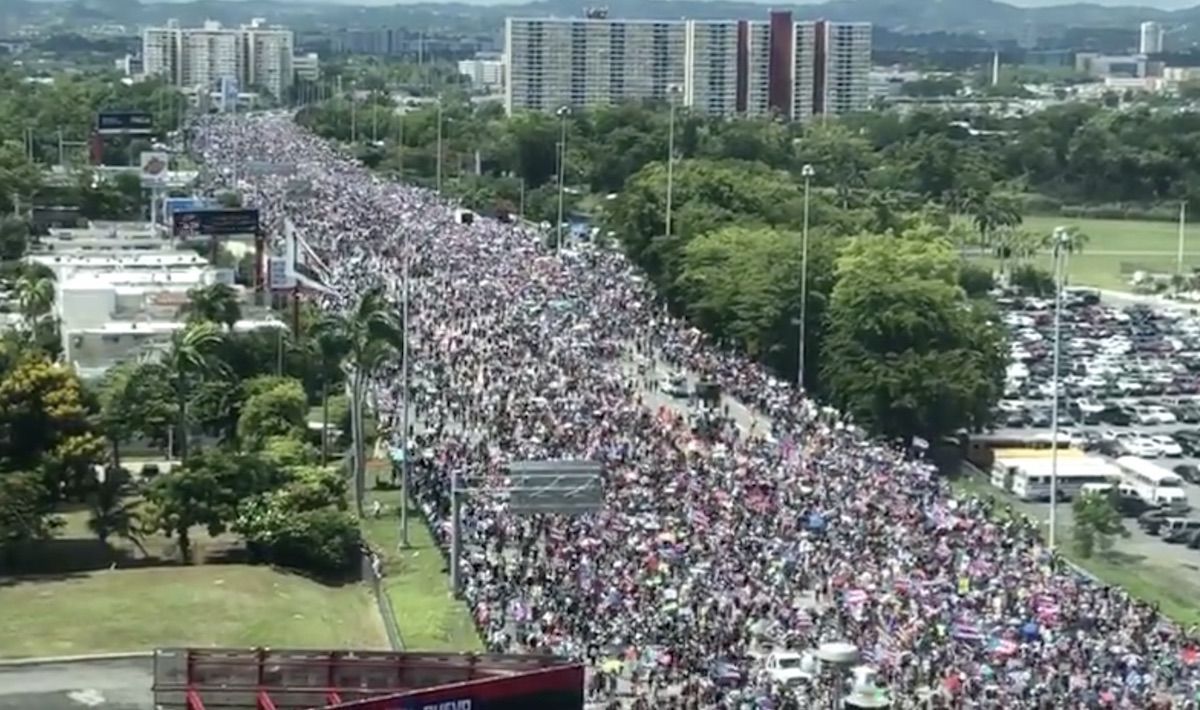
[{"x": 1129, "y": 386}]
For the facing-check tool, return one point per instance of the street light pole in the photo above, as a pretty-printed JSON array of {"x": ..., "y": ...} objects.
[
  {"x": 405, "y": 466},
  {"x": 670, "y": 158},
  {"x": 439, "y": 145},
  {"x": 1062, "y": 243},
  {"x": 562, "y": 170},
  {"x": 807, "y": 171}
]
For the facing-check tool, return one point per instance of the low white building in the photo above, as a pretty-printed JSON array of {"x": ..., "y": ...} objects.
[
  {"x": 120, "y": 289},
  {"x": 484, "y": 73}
]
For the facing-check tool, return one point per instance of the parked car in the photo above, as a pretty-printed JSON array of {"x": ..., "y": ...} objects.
[
  {"x": 1188, "y": 472},
  {"x": 1167, "y": 446},
  {"x": 1179, "y": 529}
]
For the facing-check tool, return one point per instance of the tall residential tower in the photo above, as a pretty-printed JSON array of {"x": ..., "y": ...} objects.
[
  {"x": 253, "y": 55},
  {"x": 716, "y": 67}
]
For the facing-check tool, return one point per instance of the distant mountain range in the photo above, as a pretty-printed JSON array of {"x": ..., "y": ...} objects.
[{"x": 985, "y": 18}]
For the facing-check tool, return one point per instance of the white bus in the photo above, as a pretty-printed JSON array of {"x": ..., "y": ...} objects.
[
  {"x": 1026, "y": 474},
  {"x": 1154, "y": 484}
]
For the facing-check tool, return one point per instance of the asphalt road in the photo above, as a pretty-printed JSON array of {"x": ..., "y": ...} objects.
[{"x": 109, "y": 685}]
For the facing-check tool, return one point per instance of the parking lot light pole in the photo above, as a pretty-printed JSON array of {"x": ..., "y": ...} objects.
[
  {"x": 1062, "y": 243},
  {"x": 807, "y": 171}
]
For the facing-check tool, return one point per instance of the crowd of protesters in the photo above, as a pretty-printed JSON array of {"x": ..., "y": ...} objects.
[{"x": 715, "y": 545}]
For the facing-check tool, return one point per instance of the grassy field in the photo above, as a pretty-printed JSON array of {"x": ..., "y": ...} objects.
[
  {"x": 207, "y": 605},
  {"x": 1117, "y": 248},
  {"x": 417, "y": 581},
  {"x": 1174, "y": 590}
]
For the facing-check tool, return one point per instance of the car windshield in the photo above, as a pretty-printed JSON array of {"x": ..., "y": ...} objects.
[{"x": 789, "y": 662}]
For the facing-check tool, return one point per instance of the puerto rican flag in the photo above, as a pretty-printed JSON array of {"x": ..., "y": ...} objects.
[
  {"x": 1047, "y": 608},
  {"x": 1002, "y": 646},
  {"x": 966, "y": 630}
]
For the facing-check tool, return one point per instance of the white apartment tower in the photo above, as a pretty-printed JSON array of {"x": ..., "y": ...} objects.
[
  {"x": 198, "y": 58},
  {"x": 846, "y": 59},
  {"x": 588, "y": 62},
  {"x": 1150, "y": 36},
  {"x": 710, "y": 79},
  {"x": 716, "y": 67}
]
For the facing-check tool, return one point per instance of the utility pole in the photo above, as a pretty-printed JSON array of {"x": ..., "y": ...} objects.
[
  {"x": 1062, "y": 247},
  {"x": 405, "y": 464},
  {"x": 670, "y": 161},
  {"x": 1182, "y": 233},
  {"x": 807, "y": 171},
  {"x": 439, "y": 144},
  {"x": 563, "y": 113}
]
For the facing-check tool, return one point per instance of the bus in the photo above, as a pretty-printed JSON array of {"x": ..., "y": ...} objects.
[
  {"x": 1155, "y": 484},
  {"x": 1026, "y": 473}
]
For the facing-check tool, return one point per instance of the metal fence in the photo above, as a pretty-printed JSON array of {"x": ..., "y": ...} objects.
[{"x": 372, "y": 571}]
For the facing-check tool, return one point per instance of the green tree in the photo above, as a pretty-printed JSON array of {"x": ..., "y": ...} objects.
[
  {"x": 25, "y": 509},
  {"x": 706, "y": 196},
  {"x": 372, "y": 335},
  {"x": 206, "y": 490},
  {"x": 14, "y": 238},
  {"x": 1095, "y": 523},
  {"x": 742, "y": 284},
  {"x": 35, "y": 298},
  {"x": 41, "y": 404},
  {"x": 189, "y": 360},
  {"x": 906, "y": 354},
  {"x": 281, "y": 410},
  {"x": 216, "y": 303},
  {"x": 114, "y": 511}
]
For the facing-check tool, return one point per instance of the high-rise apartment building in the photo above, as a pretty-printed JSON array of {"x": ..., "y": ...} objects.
[
  {"x": 253, "y": 55},
  {"x": 716, "y": 67},
  {"x": 842, "y": 66},
  {"x": 1150, "y": 36},
  {"x": 591, "y": 62}
]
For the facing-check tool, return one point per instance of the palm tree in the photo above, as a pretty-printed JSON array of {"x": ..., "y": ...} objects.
[
  {"x": 369, "y": 334},
  {"x": 113, "y": 513},
  {"x": 217, "y": 303},
  {"x": 35, "y": 298},
  {"x": 191, "y": 356},
  {"x": 991, "y": 212},
  {"x": 331, "y": 349}
]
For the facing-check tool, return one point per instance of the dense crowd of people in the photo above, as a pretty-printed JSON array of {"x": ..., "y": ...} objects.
[{"x": 717, "y": 543}]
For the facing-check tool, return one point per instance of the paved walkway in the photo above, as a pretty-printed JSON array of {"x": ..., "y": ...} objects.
[{"x": 109, "y": 685}]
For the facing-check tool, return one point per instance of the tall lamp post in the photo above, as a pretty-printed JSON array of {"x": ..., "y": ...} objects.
[
  {"x": 439, "y": 144},
  {"x": 672, "y": 92},
  {"x": 405, "y": 465},
  {"x": 562, "y": 113},
  {"x": 807, "y": 171},
  {"x": 1062, "y": 247}
]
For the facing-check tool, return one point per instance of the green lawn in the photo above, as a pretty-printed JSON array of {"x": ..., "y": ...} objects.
[
  {"x": 207, "y": 605},
  {"x": 417, "y": 582},
  {"x": 1117, "y": 248},
  {"x": 1175, "y": 591}
]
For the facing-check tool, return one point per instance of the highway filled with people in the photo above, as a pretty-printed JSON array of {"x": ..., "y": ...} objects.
[{"x": 716, "y": 544}]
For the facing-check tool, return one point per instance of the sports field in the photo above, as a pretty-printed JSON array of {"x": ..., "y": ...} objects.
[
  {"x": 1118, "y": 248},
  {"x": 204, "y": 605}
]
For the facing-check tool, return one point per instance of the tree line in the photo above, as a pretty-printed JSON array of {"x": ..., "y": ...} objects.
[{"x": 1078, "y": 159}]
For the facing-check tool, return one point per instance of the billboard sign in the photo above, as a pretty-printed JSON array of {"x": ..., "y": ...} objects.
[
  {"x": 279, "y": 277},
  {"x": 154, "y": 168},
  {"x": 563, "y": 487},
  {"x": 124, "y": 123},
  {"x": 214, "y": 222},
  {"x": 304, "y": 266}
]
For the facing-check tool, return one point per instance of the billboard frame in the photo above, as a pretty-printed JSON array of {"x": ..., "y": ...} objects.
[{"x": 124, "y": 122}]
